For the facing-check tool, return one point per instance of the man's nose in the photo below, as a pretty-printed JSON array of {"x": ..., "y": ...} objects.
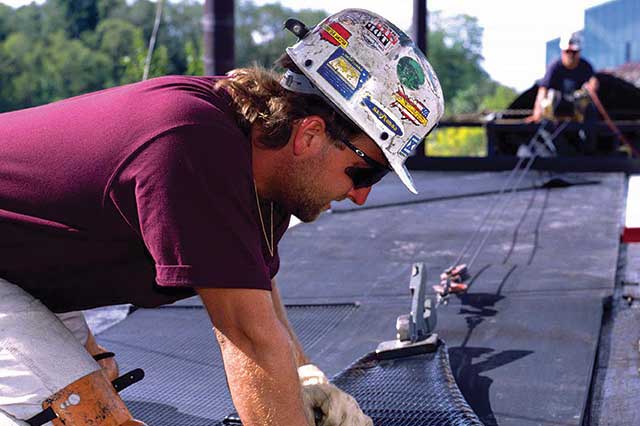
[{"x": 359, "y": 196}]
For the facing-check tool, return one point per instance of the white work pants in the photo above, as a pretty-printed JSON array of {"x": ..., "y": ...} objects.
[{"x": 39, "y": 355}]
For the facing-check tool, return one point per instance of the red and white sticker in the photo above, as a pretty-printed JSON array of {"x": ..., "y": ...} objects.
[{"x": 335, "y": 34}]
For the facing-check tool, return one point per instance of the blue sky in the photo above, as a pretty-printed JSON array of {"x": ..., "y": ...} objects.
[{"x": 515, "y": 32}]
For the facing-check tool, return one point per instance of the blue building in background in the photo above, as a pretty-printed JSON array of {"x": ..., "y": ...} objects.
[
  {"x": 611, "y": 35},
  {"x": 553, "y": 50}
]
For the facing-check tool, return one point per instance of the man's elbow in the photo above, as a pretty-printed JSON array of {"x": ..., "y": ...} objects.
[{"x": 252, "y": 337}]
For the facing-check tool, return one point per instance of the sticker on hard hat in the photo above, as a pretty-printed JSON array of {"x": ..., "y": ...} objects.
[
  {"x": 335, "y": 34},
  {"x": 343, "y": 73},
  {"x": 380, "y": 35},
  {"x": 410, "y": 108},
  {"x": 410, "y": 73},
  {"x": 383, "y": 116},
  {"x": 410, "y": 146}
]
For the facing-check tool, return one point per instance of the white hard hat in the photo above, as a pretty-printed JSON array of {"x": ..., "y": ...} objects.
[
  {"x": 571, "y": 41},
  {"x": 372, "y": 72}
]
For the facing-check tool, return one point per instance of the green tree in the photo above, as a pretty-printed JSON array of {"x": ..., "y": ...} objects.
[
  {"x": 122, "y": 43},
  {"x": 260, "y": 37},
  {"x": 193, "y": 53},
  {"x": 134, "y": 65},
  {"x": 80, "y": 15},
  {"x": 500, "y": 99},
  {"x": 455, "y": 44},
  {"x": 181, "y": 25},
  {"x": 20, "y": 63},
  {"x": 72, "y": 68},
  {"x": 7, "y": 18},
  {"x": 30, "y": 21},
  {"x": 111, "y": 8}
]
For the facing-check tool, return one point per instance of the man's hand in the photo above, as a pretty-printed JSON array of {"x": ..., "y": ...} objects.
[
  {"x": 338, "y": 408},
  {"x": 533, "y": 118}
]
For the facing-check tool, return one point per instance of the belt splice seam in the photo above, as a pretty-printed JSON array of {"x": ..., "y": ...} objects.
[{"x": 417, "y": 390}]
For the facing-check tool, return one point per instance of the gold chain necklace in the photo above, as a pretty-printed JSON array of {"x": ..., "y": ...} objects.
[{"x": 264, "y": 231}]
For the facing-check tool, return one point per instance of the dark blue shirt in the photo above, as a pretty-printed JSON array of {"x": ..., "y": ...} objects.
[{"x": 567, "y": 80}]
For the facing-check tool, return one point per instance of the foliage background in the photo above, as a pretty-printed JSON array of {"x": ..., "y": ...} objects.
[{"x": 64, "y": 48}]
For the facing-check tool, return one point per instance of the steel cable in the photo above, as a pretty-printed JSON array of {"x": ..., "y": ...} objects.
[{"x": 511, "y": 191}]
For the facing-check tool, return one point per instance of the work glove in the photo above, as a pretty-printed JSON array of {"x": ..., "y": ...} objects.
[
  {"x": 310, "y": 374},
  {"x": 337, "y": 407}
]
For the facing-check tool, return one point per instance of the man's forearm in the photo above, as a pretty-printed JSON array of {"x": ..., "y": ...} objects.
[
  {"x": 262, "y": 378},
  {"x": 298, "y": 351},
  {"x": 537, "y": 105}
]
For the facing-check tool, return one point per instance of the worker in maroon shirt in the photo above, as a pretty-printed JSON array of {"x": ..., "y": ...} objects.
[{"x": 156, "y": 191}]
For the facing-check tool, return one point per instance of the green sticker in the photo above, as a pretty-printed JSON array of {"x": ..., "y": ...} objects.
[{"x": 410, "y": 73}]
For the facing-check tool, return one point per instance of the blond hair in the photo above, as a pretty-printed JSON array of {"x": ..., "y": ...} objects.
[{"x": 258, "y": 99}]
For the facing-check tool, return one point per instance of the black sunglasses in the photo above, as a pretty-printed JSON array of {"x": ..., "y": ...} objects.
[{"x": 364, "y": 177}]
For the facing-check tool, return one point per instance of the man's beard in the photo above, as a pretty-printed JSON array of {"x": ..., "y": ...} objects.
[{"x": 300, "y": 193}]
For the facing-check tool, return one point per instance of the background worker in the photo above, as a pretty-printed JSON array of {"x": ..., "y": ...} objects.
[
  {"x": 557, "y": 95},
  {"x": 156, "y": 191}
]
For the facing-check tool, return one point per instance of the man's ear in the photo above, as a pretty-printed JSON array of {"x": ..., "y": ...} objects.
[{"x": 309, "y": 135}]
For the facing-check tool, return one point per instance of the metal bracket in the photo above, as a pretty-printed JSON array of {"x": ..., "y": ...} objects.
[
  {"x": 415, "y": 331},
  {"x": 423, "y": 318}
]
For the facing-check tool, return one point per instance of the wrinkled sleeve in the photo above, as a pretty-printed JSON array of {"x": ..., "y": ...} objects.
[{"x": 189, "y": 194}]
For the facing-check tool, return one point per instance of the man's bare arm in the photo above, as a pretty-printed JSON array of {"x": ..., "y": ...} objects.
[
  {"x": 298, "y": 351},
  {"x": 537, "y": 106},
  {"x": 592, "y": 84},
  {"x": 258, "y": 356}
]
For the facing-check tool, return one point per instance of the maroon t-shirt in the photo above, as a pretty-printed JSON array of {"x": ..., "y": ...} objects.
[{"x": 134, "y": 194}]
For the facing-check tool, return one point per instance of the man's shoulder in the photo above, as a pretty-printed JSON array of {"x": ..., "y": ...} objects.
[
  {"x": 184, "y": 93},
  {"x": 554, "y": 68},
  {"x": 586, "y": 64},
  {"x": 555, "y": 65},
  {"x": 553, "y": 71},
  {"x": 178, "y": 102}
]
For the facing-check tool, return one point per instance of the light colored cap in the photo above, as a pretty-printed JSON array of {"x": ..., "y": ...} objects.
[{"x": 571, "y": 41}]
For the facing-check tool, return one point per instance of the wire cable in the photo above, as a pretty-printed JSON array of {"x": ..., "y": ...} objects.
[{"x": 511, "y": 188}]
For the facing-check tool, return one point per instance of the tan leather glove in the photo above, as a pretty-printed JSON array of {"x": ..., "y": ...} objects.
[{"x": 338, "y": 408}]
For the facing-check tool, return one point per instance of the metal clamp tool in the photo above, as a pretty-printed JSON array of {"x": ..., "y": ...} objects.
[
  {"x": 415, "y": 331},
  {"x": 452, "y": 281}
]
